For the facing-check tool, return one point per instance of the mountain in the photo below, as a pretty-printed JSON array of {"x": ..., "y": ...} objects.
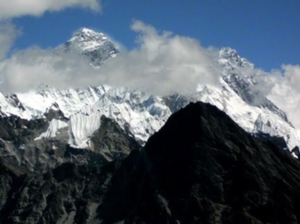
[
  {"x": 200, "y": 167},
  {"x": 21, "y": 147},
  {"x": 97, "y": 47},
  {"x": 70, "y": 118},
  {"x": 108, "y": 154},
  {"x": 242, "y": 77},
  {"x": 239, "y": 96},
  {"x": 203, "y": 168}
]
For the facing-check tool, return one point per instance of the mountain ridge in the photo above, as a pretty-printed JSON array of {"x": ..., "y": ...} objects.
[{"x": 143, "y": 114}]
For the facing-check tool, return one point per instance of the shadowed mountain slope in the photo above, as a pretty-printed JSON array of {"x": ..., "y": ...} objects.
[{"x": 201, "y": 167}]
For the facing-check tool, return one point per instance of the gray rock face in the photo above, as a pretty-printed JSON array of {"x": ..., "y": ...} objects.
[
  {"x": 67, "y": 194},
  {"x": 21, "y": 147},
  {"x": 71, "y": 188}
]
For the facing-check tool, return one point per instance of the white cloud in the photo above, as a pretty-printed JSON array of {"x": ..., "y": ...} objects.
[
  {"x": 285, "y": 92},
  {"x": 292, "y": 74},
  {"x": 16, "y": 8},
  {"x": 162, "y": 63},
  {"x": 31, "y": 67},
  {"x": 8, "y": 33}
]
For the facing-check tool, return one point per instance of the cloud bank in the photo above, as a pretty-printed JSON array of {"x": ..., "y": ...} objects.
[
  {"x": 162, "y": 63},
  {"x": 16, "y": 8}
]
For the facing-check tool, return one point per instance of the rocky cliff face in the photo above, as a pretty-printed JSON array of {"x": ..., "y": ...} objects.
[
  {"x": 23, "y": 144},
  {"x": 200, "y": 167},
  {"x": 59, "y": 184}
]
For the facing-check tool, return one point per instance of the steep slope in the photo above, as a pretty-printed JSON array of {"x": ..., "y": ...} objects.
[
  {"x": 203, "y": 168},
  {"x": 240, "y": 97},
  {"x": 255, "y": 119},
  {"x": 242, "y": 78}
]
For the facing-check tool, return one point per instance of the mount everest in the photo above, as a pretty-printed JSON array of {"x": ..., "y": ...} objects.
[{"x": 73, "y": 116}]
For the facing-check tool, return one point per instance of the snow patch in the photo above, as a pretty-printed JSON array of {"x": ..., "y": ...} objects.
[
  {"x": 53, "y": 129},
  {"x": 81, "y": 128}
]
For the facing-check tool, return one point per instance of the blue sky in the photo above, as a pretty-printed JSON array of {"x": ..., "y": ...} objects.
[{"x": 265, "y": 32}]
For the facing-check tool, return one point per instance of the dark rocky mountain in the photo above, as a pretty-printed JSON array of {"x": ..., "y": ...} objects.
[
  {"x": 70, "y": 189},
  {"x": 200, "y": 167},
  {"x": 21, "y": 147},
  {"x": 68, "y": 194},
  {"x": 203, "y": 168}
]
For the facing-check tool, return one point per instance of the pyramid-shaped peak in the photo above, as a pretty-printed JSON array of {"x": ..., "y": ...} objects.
[{"x": 94, "y": 45}]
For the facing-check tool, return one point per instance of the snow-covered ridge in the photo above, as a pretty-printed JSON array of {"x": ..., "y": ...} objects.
[
  {"x": 142, "y": 114},
  {"x": 243, "y": 78}
]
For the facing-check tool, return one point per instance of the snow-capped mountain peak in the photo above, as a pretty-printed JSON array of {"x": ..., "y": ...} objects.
[
  {"x": 230, "y": 59},
  {"x": 86, "y": 39},
  {"x": 242, "y": 77},
  {"x": 87, "y": 31},
  {"x": 97, "y": 47}
]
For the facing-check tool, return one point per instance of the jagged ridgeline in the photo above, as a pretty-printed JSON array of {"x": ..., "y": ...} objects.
[
  {"x": 140, "y": 113},
  {"x": 200, "y": 167}
]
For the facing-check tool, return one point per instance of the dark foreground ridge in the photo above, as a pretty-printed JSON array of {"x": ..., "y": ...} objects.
[{"x": 200, "y": 167}]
